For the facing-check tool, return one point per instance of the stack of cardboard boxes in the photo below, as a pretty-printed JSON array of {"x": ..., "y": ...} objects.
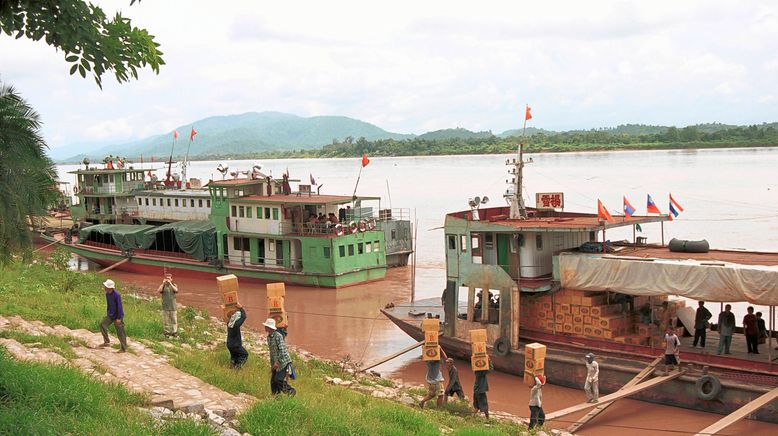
[
  {"x": 583, "y": 313},
  {"x": 228, "y": 287},
  {"x": 431, "y": 348},
  {"x": 479, "y": 360},
  {"x": 275, "y": 303},
  {"x": 534, "y": 362}
]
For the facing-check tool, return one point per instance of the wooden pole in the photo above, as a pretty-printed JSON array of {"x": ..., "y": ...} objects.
[
  {"x": 110, "y": 267},
  {"x": 392, "y": 356},
  {"x": 663, "y": 233},
  {"x": 740, "y": 413},
  {"x": 46, "y": 246}
]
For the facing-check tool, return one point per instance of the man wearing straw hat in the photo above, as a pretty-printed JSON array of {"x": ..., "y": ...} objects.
[
  {"x": 114, "y": 315},
  {"x": 280, "y": 361}
]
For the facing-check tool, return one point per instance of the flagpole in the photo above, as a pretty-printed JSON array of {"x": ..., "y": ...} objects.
[
  {"x": 170, "y": 161},
  {"x": 354, "y": 196},
  {"x": 186, "y": 158}
]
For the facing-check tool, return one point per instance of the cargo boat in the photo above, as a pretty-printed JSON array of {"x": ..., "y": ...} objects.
[
  {"x": 255, "y": 227},
  {"x": 527, "y": 274}
]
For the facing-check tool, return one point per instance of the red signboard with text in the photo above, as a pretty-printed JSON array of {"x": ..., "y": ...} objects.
[{"x": 550, "y": 200}]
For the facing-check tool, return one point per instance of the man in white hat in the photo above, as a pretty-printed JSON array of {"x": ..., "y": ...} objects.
[
  {"x": 591, "y": 387},
  {"x": 280, "y": 361},
  {"x": 114, "y": 315}
]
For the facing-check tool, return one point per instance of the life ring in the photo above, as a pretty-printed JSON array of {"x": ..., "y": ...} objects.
[
  {"x": 502, "y": 347},
  {"x": 708, "y": 387},
  {"x": 371, "y": 224},
  {"x": 362, "y": 225},
  {"x": 352, "y": 227},
  {"x": 339, "y": 229}
]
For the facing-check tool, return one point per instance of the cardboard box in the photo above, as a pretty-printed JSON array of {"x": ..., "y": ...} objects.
[
  {"x": 611, "y": 321},
  {"x": 431, "y": 338},
  {"x": 227, "y": 283},
  {"x": 575, "y": 309},
  {"x": 613, "y": 309},
  {"x": 578, "y": 329},
  {"x": 588, "y": 330},
  {"x": 549, "y": 325},
  {"x": 558, "y": 326},
  {"x": 535, "y": 351},
  {"x": 587, "y": 320},
  {"x": 432, "y": 324},
  {"x": 280, "y": 317},
  {"x": 575, "y": 299},
  {"x": 529, "y": 377},
  {"x": 567, "y": 328},
  {"x": 478, "y": 335},
  {"x": 430, "y": 353},
  {"x": 546, "y": 305},
  {"x": 276, "y": 289},
  {"x": 479, "y": 348},
  {"x": 585, "y": 310},
  {"x": 566, "y": 309},
  {"x": 569, "y": 319},
  {"x": 275, "y": 304},
  {"x": 645, "y": 329},
  {"x": 534, "y": 364},
  {"x": 542, "y": 314},
  {"x": 230, "y": 298},
  {"x": 227, "y": 311},
  {"x": 593, "y": 300},
  {"x": 479, "y": 363},
  {"x": 577, "y": 320}
]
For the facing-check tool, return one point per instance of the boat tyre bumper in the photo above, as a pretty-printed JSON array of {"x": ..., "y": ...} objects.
[
  {"x": 708, "y": 387},
  {"x": 502, "y": 347}
]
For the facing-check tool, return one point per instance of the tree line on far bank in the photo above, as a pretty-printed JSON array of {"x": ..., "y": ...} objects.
[{"x": 592, "y": 140}]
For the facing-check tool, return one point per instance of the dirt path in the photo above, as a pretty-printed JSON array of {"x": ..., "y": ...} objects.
[{"x": 140, "y": 370}]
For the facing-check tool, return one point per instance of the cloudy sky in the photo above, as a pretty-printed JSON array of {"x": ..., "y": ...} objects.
[{"x": 421, "y": 65}]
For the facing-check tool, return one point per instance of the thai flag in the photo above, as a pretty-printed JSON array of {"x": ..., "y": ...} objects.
[
  {"x": 673, "y": 212},
  {"x": 675, "y": 203},
  {"x": 651, "y": 206},
  {"x": 628, "y": 209}
]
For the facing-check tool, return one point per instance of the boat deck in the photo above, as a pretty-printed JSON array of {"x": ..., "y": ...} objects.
[{"x": 733, "y": 256}]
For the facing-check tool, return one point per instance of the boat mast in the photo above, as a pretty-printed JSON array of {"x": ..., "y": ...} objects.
[{"x": 516, "y": 199}]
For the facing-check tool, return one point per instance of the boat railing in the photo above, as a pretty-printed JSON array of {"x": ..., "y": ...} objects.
[
  {"x": 322, "y": 229},
  {"x": 246, "y": 261},
  {"x": 394, "y": 214}
]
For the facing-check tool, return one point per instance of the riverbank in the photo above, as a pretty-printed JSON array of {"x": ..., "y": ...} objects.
[{"x": 331, "y": 398}]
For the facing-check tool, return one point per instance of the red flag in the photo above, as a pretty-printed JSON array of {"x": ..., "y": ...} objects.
[
  {"x": 175, "y": 135},
  {"x": 192, "y": 134},
  {"x": 528, "y": 114},
  {"x": 110, "y": 165},
  {"x": 603, "y": 213},
  {"x": 365, "y": 160}
]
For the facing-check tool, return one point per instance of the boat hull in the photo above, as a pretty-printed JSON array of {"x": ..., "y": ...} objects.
[
  {"x": 565, "y": 367},
  {"x": 157, "y": 264}
]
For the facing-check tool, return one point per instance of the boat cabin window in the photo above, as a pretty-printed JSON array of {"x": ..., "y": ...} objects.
[
  {"x": 376, "y": 247},
  {"x": 327, "y": 253},
  {"x": 248, "y": 211},
  {"x": 191, "y": 203},
  {"x": 275, "y": 213},
  {"x": 208, "y": 203},
  {"x": 539, "y": 241},
  {"x": 140, "y": 201},
  {"x": 342, "y": 251},
  {"x": 489, "y": 241},
  {"x": 241, "y": 211},
  {"x": 350, "y": 249},
  {"x": 199, "y": 203},
  {"x": 592, "y": 237},
  {"x": 360, "y": 248},
  {"x": 154, "y": 201},
  {"x": 394, "y": 234},
  {"x": 240, "y": 244},
  {"x": 463, "y": 242},
  {"x": 267, "y": 213},
  {"x": 147, "y": 201},
  {"x": 168, "y": 202},
  {"x": 514, "y": 245},
  {"x": 234, "y": 211},
  {"x": 183, "y": 202},
  {"x": 368, "y": 247},
  {"x": 452, "y": 242},
  {"x": 521, "y": 239},
  {"x": 176, "y": 202}
]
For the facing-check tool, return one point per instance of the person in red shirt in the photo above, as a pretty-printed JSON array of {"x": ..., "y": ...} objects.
[{"x": 751, "y": 329}]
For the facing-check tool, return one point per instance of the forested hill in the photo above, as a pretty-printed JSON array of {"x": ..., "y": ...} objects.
[
  {"x": 454, "y": 133},
  {"x": 591, "y": 140}
]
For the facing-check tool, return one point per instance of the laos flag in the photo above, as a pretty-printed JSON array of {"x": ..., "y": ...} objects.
[
  {"x": 628, "y": 209},
  {"x": 651, "y": 206}
]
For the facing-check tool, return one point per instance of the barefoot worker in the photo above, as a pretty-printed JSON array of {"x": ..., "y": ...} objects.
[
  {"x": 435, "y": 381},
  {"x": 591, "y": 387},
  {"x": 114, "y": 315},
  {"x": 454, "y": 387},
  {"x": 238, "y": 354},
  {"x": 536, "y": 415},
  {"x": 280, "y": 361},
  {"x": 168, "y": 290},
  {"x": 480, "y": 388}
]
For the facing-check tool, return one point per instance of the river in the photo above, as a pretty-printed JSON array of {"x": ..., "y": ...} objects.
[{"x": 729, "y": 196}]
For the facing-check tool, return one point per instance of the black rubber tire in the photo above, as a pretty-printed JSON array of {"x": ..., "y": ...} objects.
[
  {"x": 502, "y": 347},
  {"x": 715, "y": 387}
]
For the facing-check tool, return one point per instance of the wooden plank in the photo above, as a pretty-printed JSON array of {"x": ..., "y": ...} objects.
[
  {"x": 739, "y": 414},
  {"x": 110, "y": 267},
  {"x": 602, "y": 406},
  {"x": 617, "y": 395},
  {"x": 392, "y": 356}
]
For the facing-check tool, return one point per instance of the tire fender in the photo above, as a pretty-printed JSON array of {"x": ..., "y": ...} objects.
[
  {"x": 502, "y": 347},
  {"x": 708, "y": 387}
]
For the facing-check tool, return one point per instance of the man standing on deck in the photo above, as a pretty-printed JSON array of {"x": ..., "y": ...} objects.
[
  {"x": 591, "y": 387},
  {"x": 725, "y": 328},
  {"x": 168, "y": 290},
  {"x": 701, "y": 318},
  {"x": 536, "y": 415},
  {"x": 435, "y": 381},
  {"x": 672, "y": 349},
  {"x": 751, "y": 329},
  {"x": 238, "y": 354},
  {"x": 114, "y": 315},
  {"x": 280, "y": 361}
]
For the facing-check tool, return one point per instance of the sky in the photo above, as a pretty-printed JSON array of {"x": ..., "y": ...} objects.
[{"x": 416, "y": 66}]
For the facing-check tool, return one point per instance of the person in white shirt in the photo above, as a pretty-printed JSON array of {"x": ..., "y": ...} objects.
[
  {"x": 536, "y": 415},
  {"x": 672, "y": 349},
  {"x": 591, "y": 387}
]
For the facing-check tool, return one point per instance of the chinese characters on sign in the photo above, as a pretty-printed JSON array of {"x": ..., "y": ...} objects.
[{"x": 550, "y": 200}]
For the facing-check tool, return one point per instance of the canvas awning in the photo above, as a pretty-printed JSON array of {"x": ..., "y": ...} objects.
[
  {"x": 698, "y": 280},
  {"x": 195, "y": 237},
  {"x": 124, "y": 236}
]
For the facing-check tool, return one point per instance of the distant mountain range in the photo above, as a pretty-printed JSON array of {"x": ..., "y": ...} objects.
[{"x": 256, "y": 132}]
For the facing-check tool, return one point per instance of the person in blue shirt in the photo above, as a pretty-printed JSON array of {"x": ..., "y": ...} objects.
[{"x": 114, "y": 315}]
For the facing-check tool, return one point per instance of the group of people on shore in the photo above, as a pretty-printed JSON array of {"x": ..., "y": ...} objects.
[{"x": 281, "y": 369}]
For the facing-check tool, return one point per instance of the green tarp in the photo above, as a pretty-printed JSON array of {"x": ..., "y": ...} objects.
[
  {"x": 125, "y": 236},
  {"x": 196, "y": 238}
]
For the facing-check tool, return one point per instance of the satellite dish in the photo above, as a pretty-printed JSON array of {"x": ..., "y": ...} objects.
[
  {"x": 485, "y": 200},
  {"x": 477, "y": 200}
]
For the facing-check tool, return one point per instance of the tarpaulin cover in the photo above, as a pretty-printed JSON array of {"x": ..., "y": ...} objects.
[
  {"x": 196, "y": 237},
  {"x": 688, "y": 278},
  {"x": 125, "y": 236}
]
